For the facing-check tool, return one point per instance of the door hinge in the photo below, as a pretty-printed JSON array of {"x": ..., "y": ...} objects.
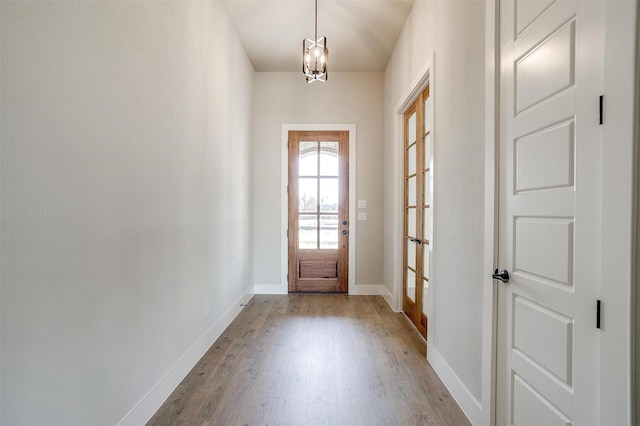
[
  {"x": 601, "y": 107},
  {"x": 598, "y": 313}
]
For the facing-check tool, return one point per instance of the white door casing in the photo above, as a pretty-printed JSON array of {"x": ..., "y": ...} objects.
[{"x": 550, "y": 198}]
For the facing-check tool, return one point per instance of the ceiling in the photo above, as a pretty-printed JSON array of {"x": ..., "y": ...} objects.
[{"x": 360, "y": 34}]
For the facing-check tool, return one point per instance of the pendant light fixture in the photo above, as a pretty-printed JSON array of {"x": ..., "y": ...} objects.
[{"x": 315, "y": 56}]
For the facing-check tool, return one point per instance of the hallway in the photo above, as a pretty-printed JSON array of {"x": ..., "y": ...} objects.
[{"x": 317, "y": 360}]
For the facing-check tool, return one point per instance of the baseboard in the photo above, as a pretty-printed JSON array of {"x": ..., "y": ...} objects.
[
  {"x": 271, "y": 289},
  {"x": 149, "y": 404},
  {"x": 366, "y": 290},
  {"x": 467, "y": 402},
  {"x": 389, "y": 298}
]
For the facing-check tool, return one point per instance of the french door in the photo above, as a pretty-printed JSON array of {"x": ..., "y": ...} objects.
[
  {"x": 550, "y": 148},
  {"x": 318, "y": 211},
  {"x": 417, "y": 210}
]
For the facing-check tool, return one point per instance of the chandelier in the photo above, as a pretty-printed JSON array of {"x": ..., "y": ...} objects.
[{"x": 315, "y": 56}]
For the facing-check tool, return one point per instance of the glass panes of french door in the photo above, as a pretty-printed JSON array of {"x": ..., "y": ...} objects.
[
  {"x": 318, "y": 169},
  {"x": 427, "y": 202},
  {"x": 417, "y": 207}
]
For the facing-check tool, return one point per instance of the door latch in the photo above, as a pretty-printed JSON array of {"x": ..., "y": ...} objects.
[{"x": 501, "y": 276}]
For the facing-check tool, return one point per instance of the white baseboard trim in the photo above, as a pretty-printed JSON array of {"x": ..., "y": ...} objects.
[
  {"x": 467, "y": 402},
  {"x": 271, "y": 289},
  {"x": 366, "y": 290},
  {"x": 389, "y": 298},
  {"x": 142, "y": 412}
]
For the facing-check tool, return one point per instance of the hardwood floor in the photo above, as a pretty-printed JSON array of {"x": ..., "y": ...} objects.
[{"x": 313, "y": 359}]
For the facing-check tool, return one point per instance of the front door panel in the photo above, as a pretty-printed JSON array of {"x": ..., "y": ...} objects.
[{"x": 318, "y": 211}]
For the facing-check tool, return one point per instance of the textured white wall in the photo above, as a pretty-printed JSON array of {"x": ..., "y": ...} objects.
[
  {"x": 285, "y": 98},
  {"x": 126, "y": 198},
  {"x": 454, "y": 31}
]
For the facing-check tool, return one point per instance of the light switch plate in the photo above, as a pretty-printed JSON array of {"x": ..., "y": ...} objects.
[
  {"x": 362, "y": 216},
  {"x": 362, "y": 204}
]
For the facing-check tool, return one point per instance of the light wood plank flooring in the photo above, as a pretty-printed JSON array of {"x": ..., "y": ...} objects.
[{"x": 313, "y": 359}]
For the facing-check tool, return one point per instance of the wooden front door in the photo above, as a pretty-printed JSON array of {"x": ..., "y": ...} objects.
[
  {"x": 417, "y": 210},
  {"x": 318, "y": 211}
]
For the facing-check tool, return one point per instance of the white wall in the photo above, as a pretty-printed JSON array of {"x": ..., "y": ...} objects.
[
  {"x": 125, "y": 202},
  {"x": 454, "y": 32},
  {"x": 347, "y": 98}
]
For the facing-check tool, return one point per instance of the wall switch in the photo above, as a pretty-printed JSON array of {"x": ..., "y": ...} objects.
[
  {"x": 362, "y": 204},
  {"x": 362, "y": 216},
  {"x": 206, "y": 309}
]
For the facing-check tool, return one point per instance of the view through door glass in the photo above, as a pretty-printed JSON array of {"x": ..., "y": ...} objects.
[
  {"x": 318, "y": 211},
  {"x": 417, "y": 208}
]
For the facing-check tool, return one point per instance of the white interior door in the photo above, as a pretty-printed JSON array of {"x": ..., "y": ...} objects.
[{"x": 550, "y": 198}]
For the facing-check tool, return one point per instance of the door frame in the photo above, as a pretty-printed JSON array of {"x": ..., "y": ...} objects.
[
  {"x": 426, "y": 77},
  {"x": 491, "y": 198},
  {"x": 283, "y": 288},
  {"x": 488, "y": 396}
]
